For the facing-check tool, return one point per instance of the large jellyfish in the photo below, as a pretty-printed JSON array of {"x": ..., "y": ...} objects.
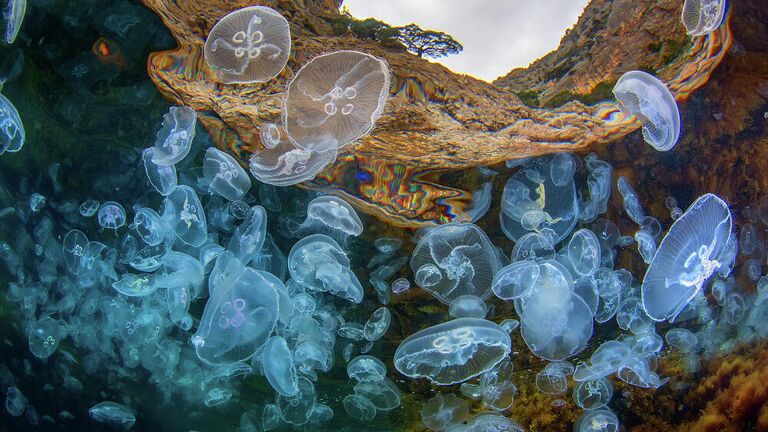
[
  {"x": 454, "y": 351},
  {"x": 687, "y": 256},
  {"x": 645, "y": 96},
  {"x": 225, "y": 176},
  {"x": 238, "y": 317},
  {"x": 453, "y": 260},
  {"x": 335, "y": 99},
  {"x": 174, "y": 139},
  {"x": 248, "y": 45},
  {"x": 11, "y": 128},
  {"x": 532, "y": 202},
  {"x": 702, "y": 17}
]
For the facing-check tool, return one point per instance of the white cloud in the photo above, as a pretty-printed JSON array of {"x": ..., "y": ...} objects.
[{"x": 498, "y": 35}]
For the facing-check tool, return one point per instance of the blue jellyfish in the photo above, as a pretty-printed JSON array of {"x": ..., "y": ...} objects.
[
  {"x": 248, "y": 45},
  {"x": 377, "y": 324},
  {"x": 645, "y": 96},
  {"x": 688, "y": 255},
  {"x": 12, "y": 136},
  {"x": 366, "y": 368},
  {"x": 89, "y": 208},
  {"x": 443, "y": 410},
  {"x": 338, "y": 95},
  {"x": 359, "y": 407},
  {"x": 383, "y": 394},
  {"x": 183, "y": 212},
  {"x": 111, "y": 215},
  {"x": 332, "y": 216},
  {"x": 15, "y": 402},
  {"x": 174, "y": 139},
  {"x": 318, "y": 263},
  {"x": 162, "y": 177},
  {"x": 44, "y": 337},
  {"x": 400, "y": 285},
  {"x": 278, "y": 367},
  {"x": 112, "y": 414},
  {"x": 454, "y": 351},
  {"x": 225, "y": 176},
  {"x": 593, "y": 394}
]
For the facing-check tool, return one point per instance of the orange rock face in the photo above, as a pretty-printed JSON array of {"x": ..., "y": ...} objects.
[{"x": 435, "y": 120}]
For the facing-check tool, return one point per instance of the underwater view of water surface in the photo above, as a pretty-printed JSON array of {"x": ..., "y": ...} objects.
[{"x": 229, "y": 215}]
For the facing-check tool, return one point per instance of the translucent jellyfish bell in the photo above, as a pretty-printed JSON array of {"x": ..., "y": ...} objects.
[
  {"x": 111, "y": 215},
  {"x": 318, "y": 263},
  {"x": 225, "y": 176},
  {"x": 645, "y": 96},
  {"x": 162, "y": 177},
  {"x": 13, "y": 15},
  {"x": 335, "y": 97},
  {"x": 687, "y": 256},
  {"x": 702, "y": 17},
  {"x": 279, "y": 368},
  {"x": 332, "y": 216},
  {"x": 443, "y": 410},
  {"x": 454, "y": 351},
  {"x": 112, "y": 414},
  {"x": 453, "y": 260},
  {"x": 44, "y": 337},
  {"x": 12, "y": 135},
  {"x": 248, "y": 45},
  {"x": 183, "y": 212},
  {"x": 583, "y": 253},
  {"x": 174, "y": 139},
  {"x": 285, "y": 164}
]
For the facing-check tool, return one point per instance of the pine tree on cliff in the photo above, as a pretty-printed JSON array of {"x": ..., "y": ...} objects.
[{"x": 428, "y": 43}]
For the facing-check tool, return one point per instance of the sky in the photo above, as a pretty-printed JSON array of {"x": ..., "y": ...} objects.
[{"x": 498, "y": 35}]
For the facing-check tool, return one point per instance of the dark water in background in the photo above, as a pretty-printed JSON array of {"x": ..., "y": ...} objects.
[{"x": 87, "y": 118}]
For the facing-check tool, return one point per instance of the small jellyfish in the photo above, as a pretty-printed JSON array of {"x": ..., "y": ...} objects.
[
  {"x": 400, "y": 285},
  {"x": 74, "y": 246},
  {"x": 162, "y": 177},
  {"x": 36, "y": 202},
  {"x": 359, "y": 407},
  {"x": 593, "y": 394},
  {"x": 140, "y": 285},
  {"x": 643, "y": 95},
  {"x": 15, "y": 402},
  {"x": 498, "y": 390},
  {"x": 631, "y": 316},
  {"x": 646, "y": 245},
  {"x": 455, "y": 259},
  {"x": 271, "y": 418},
  {"x": 366, "y": 368},
  {"x": 217, "y": 396},
  {"x": 688, "y": 255},
  {"x": 599, "y": 420},
  {"x": 248, "y": 45},
  {"x": 278, "y": 367},
  {"x": 296, "y": 409},
  {"x": 454, "y": 351},
  {"x": 318, "y": 263},
  {"x": 734, "y": 308},
  {"x": 583, "y": 252},
  {"x": 12, "y": 135},
  {"x": 174, "y": 139},
  {"x": 599, "y": 187},
  {"x": 481, "y": 202},
  {"x": 44, "y": 337},
  {"x": 387, "y": 245},
  {"x": 702, "y": 17},
  {"x": 533, "y": 246},
  {"x": 183, "y": 212},
  {"x": 492, "y": 422},
  {"x": 13, "y": 15},
  {"x": 149, "y": 226},
  {"x": 89, "y": 208},
  {"x": 443, "y": 410},
  {"x": 515, "y": 280},
  {"x": 377, "y": 324},
  {"x": 383, "y": 394},
  {"x": 225, "y": 176},
  {"x": 510, "y": 325},
  {"x": 468, "y": 306},
  {"x": 562, "y": 168},
  {"x": 338, "y": 95},
  {"x": 332, "y": 216},
  {"x": 112, "y": 414},
  {"x": 248, "y": 239},
  {"x": 631, "y": 203},
  {"x": 269, "y": 135},
  {"x": 111, "y": 215}
]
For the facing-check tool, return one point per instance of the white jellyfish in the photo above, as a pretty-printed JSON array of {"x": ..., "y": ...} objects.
[
  {"x": 335, "y": 98},
  {"x": 283, "y": 163},
  {"x": 183, "y": 212},
  {"x": 318, "y": 263},
  {"x": 12, "y": 136},
  {"x": 162, "y": 177},
  {"x": 702, "y": 17},
  {"x": 224, "y": 175},
  {"x": 332, "y": 216},
  {"x": 366, "y": 368},
  {"x": 454, "y": 351},
  {"x": 645, "y": 96},
  {"x": 687, "y": 256},
  {"x": 174, "y": 139},
  {"x": 583, "y": 253},
  {"x": 248, "y": 45},
  {"x": 112, "y": 414},
  {"x": 453, "y": 260},
  {"x": 13, "y": 15}
]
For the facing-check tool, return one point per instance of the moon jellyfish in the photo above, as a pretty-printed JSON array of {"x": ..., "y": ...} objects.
[
  {"x": 13, "y": 14},
  {"x": 332, "y": 216},
  {"x": 89, "y": 208},
  {"x": 74, "y": 245},
  {"x": 15, "y": 402},
  {"x": 702, "y": 17},
  {"x": 111, "y": 215},
  {"x": 532, "y": 202},
  {"x": 497, "y": 389},
  {"x": 162, "y": 177},
  {"x": 297, "y": 409},
  {"x": 583, "y": 253},
  {"x": 491, "y": 422},
  {"x": 225, "y": 175},
  {"x": 443, "y": 410},
  {"x": 248, "y": 45},
  {"x": 599, "y": 420},
  {"x": 238, "y": 317},
  {"x": 279, "y": 368},
  {"x": 366, "y": 368},
  {"x": 515, "y": 280},
  {"x": 553, "y": 379},
  {"x": 384, "y": 394},
  {"x": 249, "y": 237},
  {"x": 140, "y": 285},
  {"x": 359, "y": 407},
  {"x": 12, "y": 136},
  {"x": 318, "y": 263},
  {"x": 646, "y": 245},
  {"x": 377, "y": 324},
  {"x": 112, "y": 414},
  {"x": 454, "y": 351},
  {"x": 645, "y": 96},
  {"x": 455, "y": 259},
  {"x": 44, "y": 337},
  {"x": 174, "y": 139},
  {"x": 687, "y": 256},
  {"x": 286, "y": 164},
  {"x": 593, "y": 394},
  {"x": 468, "y": 306},
  {"x": 183, "y": 212},
  {"x": 631, "y": 203},
  {"x": 562, "y": 168},
  {"x": 599, "y": 187},
  {"x": 400, "y": 285},
  {"x": 336, "y": 97}
]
